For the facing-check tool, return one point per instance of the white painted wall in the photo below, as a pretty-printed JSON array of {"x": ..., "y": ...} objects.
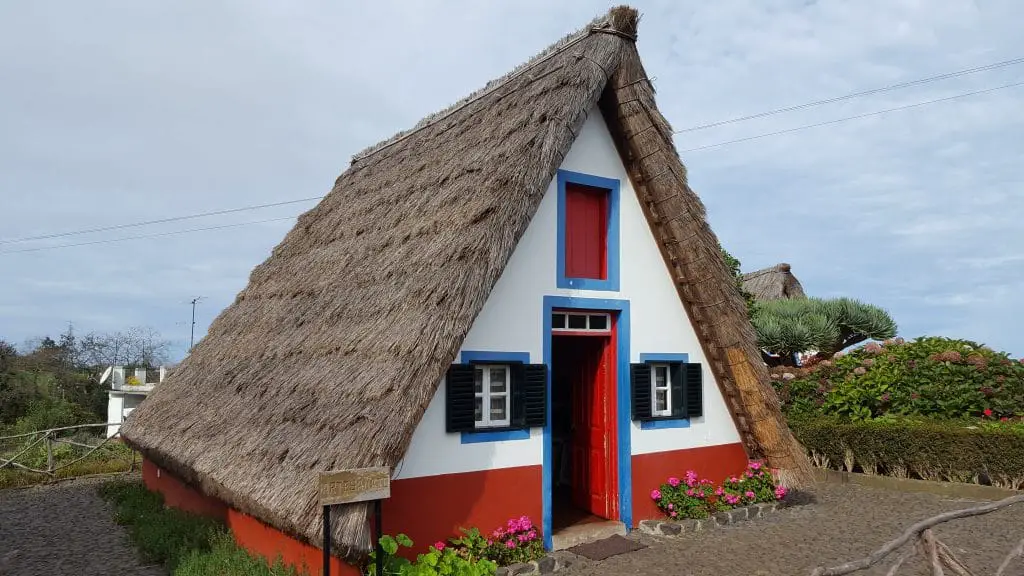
[{"x": 512, "y": 321}]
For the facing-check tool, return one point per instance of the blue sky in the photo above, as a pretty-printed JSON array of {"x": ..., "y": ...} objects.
[{"x": 117, "y": 112}]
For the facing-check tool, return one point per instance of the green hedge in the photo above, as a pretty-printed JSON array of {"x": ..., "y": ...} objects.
[{"x": 917, "y": 448}]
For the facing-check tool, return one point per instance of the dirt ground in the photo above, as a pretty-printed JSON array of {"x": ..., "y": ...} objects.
[
  {"x": 68, "y": 529},
  {"x": 845, "y": 523}
]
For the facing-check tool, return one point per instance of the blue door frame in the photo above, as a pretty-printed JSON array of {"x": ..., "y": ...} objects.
[{"x": 622, "y": 407}]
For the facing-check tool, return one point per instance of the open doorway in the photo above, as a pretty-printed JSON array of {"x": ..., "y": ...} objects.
[{"x": 583, "y": 424}]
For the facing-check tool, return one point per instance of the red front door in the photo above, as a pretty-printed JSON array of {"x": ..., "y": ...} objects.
[{"x": 593, "y": 434}]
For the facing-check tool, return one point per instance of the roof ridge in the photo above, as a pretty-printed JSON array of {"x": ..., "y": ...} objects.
[{"x": 609, "y": 23}]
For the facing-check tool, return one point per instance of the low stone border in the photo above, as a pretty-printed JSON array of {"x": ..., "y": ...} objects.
[{"x": 677, "y": 528}]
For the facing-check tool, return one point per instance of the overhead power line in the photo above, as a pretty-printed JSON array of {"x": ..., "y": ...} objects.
[
  {"x": 39, "y": 248},
  {"x": 889, "y": 88},
  {"x": 857, "y": 117},
  {"x": 158, "y": 221}
]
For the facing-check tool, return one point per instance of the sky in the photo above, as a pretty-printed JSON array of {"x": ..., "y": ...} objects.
[{"x": 121, "y": 112}]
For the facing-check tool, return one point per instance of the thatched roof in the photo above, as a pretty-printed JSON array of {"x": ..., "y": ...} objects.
[
  {"x": 773, "y": 283},
  {"x": 331, "y": 354}
]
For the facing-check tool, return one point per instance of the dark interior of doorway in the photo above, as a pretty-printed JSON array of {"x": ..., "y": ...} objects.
[{"x": 571, "y": 357}]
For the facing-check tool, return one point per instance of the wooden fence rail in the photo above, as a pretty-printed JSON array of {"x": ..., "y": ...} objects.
[{"x": 51, "y": 437}]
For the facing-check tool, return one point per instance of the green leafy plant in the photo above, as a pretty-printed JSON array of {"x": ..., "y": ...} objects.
[{"x": 439, "y": 560}]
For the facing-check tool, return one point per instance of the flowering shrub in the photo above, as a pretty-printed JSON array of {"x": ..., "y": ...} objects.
[
  {"x": 439, "y": 560},
  {"x": 517, "y": 541},
  {"x": 934, "y": 377},
  {"x": 693, "y": 497}
]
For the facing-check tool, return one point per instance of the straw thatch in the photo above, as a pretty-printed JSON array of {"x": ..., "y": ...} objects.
[
  {"x": 774, "y": 283},
  {"x": 331, "y": 354}
]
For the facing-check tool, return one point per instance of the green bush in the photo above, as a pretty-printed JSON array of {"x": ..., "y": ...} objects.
[
  {"x": 961, "y": 451},
  {"x": 445, "y": 560},
  {"x": 934, "y": 377}
]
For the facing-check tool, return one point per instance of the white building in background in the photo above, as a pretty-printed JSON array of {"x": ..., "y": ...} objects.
[{"x": 126, "y": 394}]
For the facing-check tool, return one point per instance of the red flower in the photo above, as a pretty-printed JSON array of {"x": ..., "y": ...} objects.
[{"x": 987, "y": 412}]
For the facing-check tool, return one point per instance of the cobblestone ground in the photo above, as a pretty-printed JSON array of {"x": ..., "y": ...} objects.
[
  {"x": 846, "y": 523},
  {"x": 65, "y": 529}
]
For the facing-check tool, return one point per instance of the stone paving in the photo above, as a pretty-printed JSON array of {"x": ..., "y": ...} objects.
[
  {"x": 68, "y": 529},
  {"x": 846, "y": 522},
  {"x": 65, "y": 529}
]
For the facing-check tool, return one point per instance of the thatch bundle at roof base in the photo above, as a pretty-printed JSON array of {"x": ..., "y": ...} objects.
[
  {"x": 773, "y": 283},
  {"x": 331, "y": 354}
]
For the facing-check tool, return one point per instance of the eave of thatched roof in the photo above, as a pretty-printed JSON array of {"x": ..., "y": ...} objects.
[
  {"x": 330, "y": 355},
  {"x": 773, "y": 283}
]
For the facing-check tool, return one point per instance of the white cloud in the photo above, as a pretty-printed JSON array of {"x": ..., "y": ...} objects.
[{"x": 131, "y": 113}]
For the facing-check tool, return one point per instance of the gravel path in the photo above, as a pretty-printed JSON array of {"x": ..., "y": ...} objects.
[
  {"x": 846, "y": 523},
  {"x": 65, "y": 529}
]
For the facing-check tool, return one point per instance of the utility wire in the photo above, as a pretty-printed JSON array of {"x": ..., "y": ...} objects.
[
  {"x": 891, "y": 87},
  {"x": 915, "y": 105},
  {"x": 160, "y": 221},
  {"x": 147, "y": 235}
]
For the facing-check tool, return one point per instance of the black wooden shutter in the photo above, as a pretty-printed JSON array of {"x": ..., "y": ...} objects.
[
  {"x": 676, "y": 381},
  {"x": 517, "y": 394},
  {"x": 460, "y": 398},
  {"x": 694, "y": 385},
  {"x": 640, "y": 382},
  {"x": 534, "y": 388}
]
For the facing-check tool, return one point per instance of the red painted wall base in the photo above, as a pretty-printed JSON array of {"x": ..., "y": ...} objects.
[{"x": 650, "y": 471}]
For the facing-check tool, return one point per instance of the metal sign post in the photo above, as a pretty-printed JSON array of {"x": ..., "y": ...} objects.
[{"x": 348, "y": 487}]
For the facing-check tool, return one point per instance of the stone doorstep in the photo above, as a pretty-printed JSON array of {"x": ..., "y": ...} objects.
[
  {"x": 545, "y": 565},
  {"x": 675, "y": 528}
]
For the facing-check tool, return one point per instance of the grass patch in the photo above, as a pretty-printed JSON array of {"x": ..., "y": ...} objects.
[
  {"x": 186, "y": 544},
  {"x": 15, "y": 478}
]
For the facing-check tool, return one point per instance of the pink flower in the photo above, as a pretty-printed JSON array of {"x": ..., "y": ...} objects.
[
  {"x": 691, "y": 477},
  {"x": 755, "y": 465},
  {"x": 510, "y": 544},
  {"x": 673, "y": 514},
  {"x": 780, "y": 492},
  {"x": 498, "y": 533},
  {"x": 872, "y": 347},
  {"x": 987, "y": 412},
  {"x": 750, "y": 474},
  {"x": 671, "y": 506},
  {"x": 750, "y": 495},
  {"x": 673, "y": 481},
  {"x": 689, "y": 492},
  {"x": 860, "y": 371},
  {"x": 655, "y": 494},
  {"x": 439, "y": 545},
  {"x": 532, "y": 534},
  {"x": 524, "y": 523},
  {"x": 719, "y": 491},
  {"x": 523, "y": 538}
]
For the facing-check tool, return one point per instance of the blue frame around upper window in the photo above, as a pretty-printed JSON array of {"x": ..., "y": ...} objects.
[{"x": 611, "y": 283}]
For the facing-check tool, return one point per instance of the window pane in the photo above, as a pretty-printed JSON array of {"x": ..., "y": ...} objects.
[
  {"x": 478, "y": 413},
  {"x": 598, "y": 322},
  {"x": 661, "y": 400},
  {"x": 499, "y": 375},
  {"x": 558, "y": 320},
  {"x": 478, "y": 375},
  {"x": 661, "y": 376},
  {"x": 577, "y": 322},
  {"x": 498, "y": 408}
]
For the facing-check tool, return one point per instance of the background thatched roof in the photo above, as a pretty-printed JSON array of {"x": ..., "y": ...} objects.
[
  {"x": 773, "y": 283},
  {"x": 331, "y": 354}
]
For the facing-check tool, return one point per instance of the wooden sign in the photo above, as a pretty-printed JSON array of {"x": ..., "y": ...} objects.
[{"x": 358, "y": 485}]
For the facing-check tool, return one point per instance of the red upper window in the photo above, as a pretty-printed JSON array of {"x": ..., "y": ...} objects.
[{"x": 586, "y": 232}]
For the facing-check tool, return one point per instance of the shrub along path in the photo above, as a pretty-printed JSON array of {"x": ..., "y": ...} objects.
[
  {"x": 65, "y": 528},
  {"x": 846, "y": 523}
]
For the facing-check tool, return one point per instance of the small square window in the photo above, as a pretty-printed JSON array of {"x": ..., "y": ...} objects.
[
  {"x": 598, "y": 322},
  {"x": 577, "y": 322},
  {"x": 558, "y": 320},
  {"x": 661, "y": 390},
  {"x": 492, "y": 392}
]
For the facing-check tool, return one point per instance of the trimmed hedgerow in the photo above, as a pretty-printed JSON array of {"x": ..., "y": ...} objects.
[{"x": 961, "y": 451}]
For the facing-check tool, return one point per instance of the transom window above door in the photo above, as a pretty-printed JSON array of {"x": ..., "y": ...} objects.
[
  {"x": 492, "y": 383},
  {"x": 596, "y": 322}
]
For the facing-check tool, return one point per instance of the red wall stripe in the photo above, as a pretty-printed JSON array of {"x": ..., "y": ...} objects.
[
  {"x": 652, "y": 470},
  {"x": 433, "y": 508}
]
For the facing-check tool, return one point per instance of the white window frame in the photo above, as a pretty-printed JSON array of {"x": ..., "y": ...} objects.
[
  {"x": 487, "y": 395},
  {"x": 655, "y": 389},
  {"x": 588, "y": 315}
]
